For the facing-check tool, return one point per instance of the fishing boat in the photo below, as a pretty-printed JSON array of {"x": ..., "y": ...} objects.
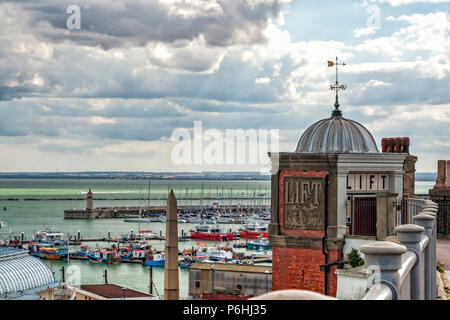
[
  {"x": 259, "y": 244},
  {"x": 254, "y": 230},
  {"x": 131, "y": 254},
  {"x": 186, "y": 262},
  {"x": 212, "y": 233},
  {"x": 155, "y": 260},
  {"x": 104, "y": 256},
  {"x": 34, "y": 248},
  {"x": 49, "y": 236},
  {"x": 84, "y": 250},
  {"x": 217, "y": 255},
  {"x": 51, "y": 253},
  {"x": 214, "y": 254}
]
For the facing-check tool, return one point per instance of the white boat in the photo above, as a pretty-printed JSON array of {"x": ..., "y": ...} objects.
[
  {"x": 215, "y": 254},
  {"x": 164, "y": 220},
  {"x": 259, "y": 244},
  {"x": 146, "y": 234},
  {"x": 49, "y": 236},
  {"x": 195, "y": 220},
  {"x": 224, "y": 220},
  {"x": 262, "y": 254}
]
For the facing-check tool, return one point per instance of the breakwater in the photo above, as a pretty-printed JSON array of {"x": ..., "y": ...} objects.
[{"x": 126, "y": 212}]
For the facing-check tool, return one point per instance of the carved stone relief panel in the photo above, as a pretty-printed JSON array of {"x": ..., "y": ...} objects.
[{"x": 304, "y": 203}]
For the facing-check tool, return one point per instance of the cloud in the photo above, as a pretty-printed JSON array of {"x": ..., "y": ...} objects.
[
  {"x": 396, "y": 3},
  {"x": 364, "y": 31},
  {"x": 137, "y": 70},
  {"x": 131, "y": 23}
]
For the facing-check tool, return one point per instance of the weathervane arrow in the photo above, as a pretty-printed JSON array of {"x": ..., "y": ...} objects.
[{"x": 336, "y": 87}]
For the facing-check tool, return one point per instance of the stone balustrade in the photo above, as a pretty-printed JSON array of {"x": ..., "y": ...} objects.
[{"x": 403, "y": 268}]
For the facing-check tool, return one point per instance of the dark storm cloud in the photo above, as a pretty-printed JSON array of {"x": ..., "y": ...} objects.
[{"x": 134, "y": 22}]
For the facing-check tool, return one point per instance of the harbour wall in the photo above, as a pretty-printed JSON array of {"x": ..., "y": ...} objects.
[{"x": 123, "y": 212}]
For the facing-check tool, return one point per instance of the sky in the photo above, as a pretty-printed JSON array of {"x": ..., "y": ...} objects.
[{"x": 105, "y": 87}]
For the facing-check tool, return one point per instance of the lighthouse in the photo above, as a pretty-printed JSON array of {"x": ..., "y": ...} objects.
[{"x": 89, "y": 200}]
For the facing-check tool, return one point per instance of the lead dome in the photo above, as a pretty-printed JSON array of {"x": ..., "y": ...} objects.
[{"x": 337, "y": 135}]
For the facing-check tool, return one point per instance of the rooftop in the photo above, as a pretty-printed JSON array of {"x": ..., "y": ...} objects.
[
  {"x": 231, "y": 267},
  {"x": 336, "y": 135},
  {"x": 22, "y": 274},
  {"x": 113, "y": 291}
]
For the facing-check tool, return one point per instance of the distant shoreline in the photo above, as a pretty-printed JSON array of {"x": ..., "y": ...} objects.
[
  {"x": 246, "y": 176},
  {"x": 138, "y": 175}
]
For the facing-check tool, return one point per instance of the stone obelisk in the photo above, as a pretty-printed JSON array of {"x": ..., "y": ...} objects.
[{"x": 171, "y": 286}]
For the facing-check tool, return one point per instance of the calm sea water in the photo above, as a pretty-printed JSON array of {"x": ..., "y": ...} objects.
[{"x": 28, "y": 216}]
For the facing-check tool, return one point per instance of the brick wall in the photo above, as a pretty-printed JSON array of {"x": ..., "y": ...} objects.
[{"x": 299, "y": 268}]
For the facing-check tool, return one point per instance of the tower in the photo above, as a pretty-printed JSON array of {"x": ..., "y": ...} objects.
[
  {"x": 324, "y": 200},
  {"x": 89, "y": 200}
]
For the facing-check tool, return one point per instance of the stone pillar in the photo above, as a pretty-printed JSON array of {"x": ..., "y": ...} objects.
[
  {"x": 409, "y": 167},
  {"x": 274, "y": 227},
  {"x": 341, "y": 208},
  {"x": 171, "y": 284},
  {"x": 410, "y": 235},
  {"x": 447, "y": 175},
  {"x": 441, "y": 174},
  {"x": 386, "y": 215},
  {"x": 426, "y": 221},
  {"x": 387, "y": 256}
]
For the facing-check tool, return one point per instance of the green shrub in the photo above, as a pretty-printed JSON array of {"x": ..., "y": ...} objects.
[
  {"x": 439, "y": 267},
  {"x": 354, "y": 258}
]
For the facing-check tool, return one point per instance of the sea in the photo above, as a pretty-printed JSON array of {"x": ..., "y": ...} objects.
[{"x": 29, "y": 205}]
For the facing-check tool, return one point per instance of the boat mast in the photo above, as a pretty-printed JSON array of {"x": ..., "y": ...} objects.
[{"x": 148, "y": 197}]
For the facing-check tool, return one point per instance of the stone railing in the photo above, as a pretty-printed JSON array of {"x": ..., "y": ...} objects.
[
  {"x": 414, "y": 207},
  {"x": 400, "y": 269}
]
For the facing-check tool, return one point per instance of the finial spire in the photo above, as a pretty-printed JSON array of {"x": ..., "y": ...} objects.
[{"x": 336, "y": 87}]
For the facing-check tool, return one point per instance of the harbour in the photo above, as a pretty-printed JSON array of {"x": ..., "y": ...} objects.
[{"x": 23, "y": 218}]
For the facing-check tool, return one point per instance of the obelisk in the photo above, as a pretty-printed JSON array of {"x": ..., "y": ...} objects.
[{"x": 171, "y": 286}]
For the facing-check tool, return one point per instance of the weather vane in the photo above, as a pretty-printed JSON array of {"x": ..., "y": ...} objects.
[{"x": 336, "y": 87}]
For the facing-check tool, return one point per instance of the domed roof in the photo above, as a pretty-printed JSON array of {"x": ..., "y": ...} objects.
[
  {"x": 19, "y": 271},
  {"x": 337, "y": 135}
]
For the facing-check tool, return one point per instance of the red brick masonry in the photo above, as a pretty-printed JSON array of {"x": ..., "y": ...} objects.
[{"x": 299, "y": 268}]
